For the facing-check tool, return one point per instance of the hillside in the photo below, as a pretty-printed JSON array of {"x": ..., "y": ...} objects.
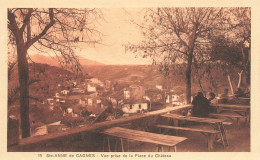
[
  {"x": 148, "y": 76},
  {"x": 47, "y": 78}
]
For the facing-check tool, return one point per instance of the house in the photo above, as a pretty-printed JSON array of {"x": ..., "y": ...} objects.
[
  {"x": 50, "y": 101},
  {"x": 98, "y": 107},
  {"x": 174, "y": 99},
  {"x": 57, "y": 95},
  {"x": 171, "y": 98},
  {"x": 147, "y": 98},
  {"x": 135, "y": 106},
  {"x": 90, "y": 102},
  {"x": 135, "y": 92},
  {"x": 91, "y": 88},
  {"x": 96, "y": 82},
  {"x": 107, "y": 84},
  {"x": 155, "y": 95},
  {"x": 78, "y": 91},
  {"x": 126, "y": 94},
  {"x": 65, "y": 92},
  {"x": 160, "y": 87},
  {"x": 74, "y": 84}
]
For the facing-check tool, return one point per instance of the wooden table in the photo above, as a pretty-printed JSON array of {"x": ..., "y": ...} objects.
[
  {"x": 235, "y": 108},
  {"x": 217, "y": 124},
  {"x": 193, "y": 119},
  {"x": 142, "y": 136},
  {"x": 232, "y": 106}
]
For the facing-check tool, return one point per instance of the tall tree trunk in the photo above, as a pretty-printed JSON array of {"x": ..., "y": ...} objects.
[
  {"x": 239, "y": 78},
  {"x": 24, "y": 91},
  {"x": 188, "y": 79},
  {"x": 230, "y": 84}
]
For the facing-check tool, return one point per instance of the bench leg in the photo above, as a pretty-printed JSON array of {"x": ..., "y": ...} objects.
[
  {"x": 245, "y": 120},
  {"x": 108, "y": 143},
  {"x": 115, "y": 145},
  {"x": 104, "y": 141},
  {"x": 122, "y": 144},
  {"x": 176, "y": 122},
  {"x": 238, "y": 123}
]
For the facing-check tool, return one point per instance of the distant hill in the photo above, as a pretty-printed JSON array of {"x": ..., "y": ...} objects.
[
  {"x": 148, "y": 76},
  {"x": 53, "y": 61}
]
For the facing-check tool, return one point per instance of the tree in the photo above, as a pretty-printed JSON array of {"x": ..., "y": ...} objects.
[
  {"x": 232, "y": 49},
  {"x": 178, "y": 35},
  {"x": 56, "y": 30}
]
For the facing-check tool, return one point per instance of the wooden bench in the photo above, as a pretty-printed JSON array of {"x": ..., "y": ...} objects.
[
  {"x": 237, "y": 117},
  {"x": 208, "y": 132},
  {"x": 142, "y": 136}
]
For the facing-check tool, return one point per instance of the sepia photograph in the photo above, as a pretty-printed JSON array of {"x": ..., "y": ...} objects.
[{"x": 129, "y": 79}]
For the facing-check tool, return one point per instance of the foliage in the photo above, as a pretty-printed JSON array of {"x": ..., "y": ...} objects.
[
  {"x": 178, "y": 35},
  {"x": 55, "y": 31}
]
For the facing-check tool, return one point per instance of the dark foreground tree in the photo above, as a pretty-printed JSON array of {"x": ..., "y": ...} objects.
[
  {"x": 56, "y": 30},
  {"x": 178, "y": 35}
]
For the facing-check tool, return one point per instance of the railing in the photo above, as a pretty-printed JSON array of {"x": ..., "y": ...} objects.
[{"x": 85, "y": 138}]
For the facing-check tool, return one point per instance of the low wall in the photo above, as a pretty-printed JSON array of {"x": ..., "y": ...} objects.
[{"x": 87, "y": 138}]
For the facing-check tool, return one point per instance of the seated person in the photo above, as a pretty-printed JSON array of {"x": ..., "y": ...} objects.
[
  {"x": 239, "y": 93},
  {"x": 212, "y": 100},
  {"x": 212, "y": 97},
  {"x": 224, "y": 97},
  {"x": 200, "y": 106}
]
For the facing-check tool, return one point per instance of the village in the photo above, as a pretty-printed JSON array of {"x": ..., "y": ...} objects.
[{"x": 88, "y": 101}]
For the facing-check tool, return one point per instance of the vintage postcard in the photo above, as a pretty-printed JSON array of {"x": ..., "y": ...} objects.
[{"x": 129, "y": 80}]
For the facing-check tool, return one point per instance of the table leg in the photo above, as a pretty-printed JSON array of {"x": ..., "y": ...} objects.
[
  {"x": 176, "y": 123},
  {"x": 222, "y": 135},
  {"x": 174, "y": 148},
  {"x": 127, "y": 145},
  {"x": 210, "y": 141},
  {"x": 157, "y": 148},
  {"x": 223, "y": 130},
  {"x": 248, "y": 117}
]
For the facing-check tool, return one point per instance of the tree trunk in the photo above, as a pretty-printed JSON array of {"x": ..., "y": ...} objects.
[
  {"x": 230, "y": 84},
  {"x": 24, "y": 91},
  {"x": 188, "y": 79}
]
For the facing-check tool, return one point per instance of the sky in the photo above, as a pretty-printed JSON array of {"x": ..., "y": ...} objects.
[{"x": 118, "y": 30}]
